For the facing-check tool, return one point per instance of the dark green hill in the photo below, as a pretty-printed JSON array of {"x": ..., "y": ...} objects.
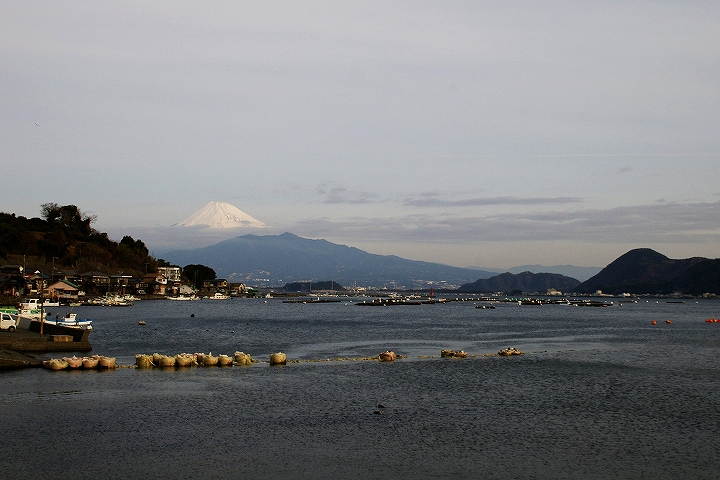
[
  {"x": 65, "y": 239},
  {"x": 645, "y": 271},
  {"x": 523, "y": 282}
]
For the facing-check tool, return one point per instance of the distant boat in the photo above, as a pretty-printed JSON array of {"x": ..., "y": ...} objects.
[
  {"x": 181, "y": 298},
  {"x": 219, "y": 296}
]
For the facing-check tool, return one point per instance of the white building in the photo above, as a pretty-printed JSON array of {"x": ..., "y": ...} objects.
[{"x": 172, "y": 274}]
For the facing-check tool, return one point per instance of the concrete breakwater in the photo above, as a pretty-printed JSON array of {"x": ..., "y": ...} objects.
[{"x": 53, "y": 339}]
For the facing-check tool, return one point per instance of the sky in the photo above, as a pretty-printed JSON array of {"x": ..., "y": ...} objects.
[{"x": 488, "y": 134}]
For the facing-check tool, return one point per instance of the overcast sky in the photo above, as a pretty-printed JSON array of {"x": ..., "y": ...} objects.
[{"x": 490, "y": 134}]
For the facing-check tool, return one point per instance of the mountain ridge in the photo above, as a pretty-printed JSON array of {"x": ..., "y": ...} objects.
[{"x": 284, "y": 258}]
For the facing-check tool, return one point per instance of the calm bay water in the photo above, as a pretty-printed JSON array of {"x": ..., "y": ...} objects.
[{"x": 602, "y": 393}]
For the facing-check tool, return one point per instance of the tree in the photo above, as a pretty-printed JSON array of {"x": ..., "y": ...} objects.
[
  {"x": 197, "y": 274},
  {"x": 69, "y": 218}
]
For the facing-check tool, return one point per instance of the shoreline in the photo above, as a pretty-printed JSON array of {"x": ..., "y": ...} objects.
[
  {"x": 16, "y": 348},
  {"x": 13, "y": 360}
]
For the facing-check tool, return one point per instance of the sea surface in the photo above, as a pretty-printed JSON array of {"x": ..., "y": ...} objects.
[{"x": 600, "y": 393}]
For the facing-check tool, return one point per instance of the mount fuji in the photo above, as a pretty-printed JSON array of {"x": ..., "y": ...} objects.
[{"x": 220, "y": 215}]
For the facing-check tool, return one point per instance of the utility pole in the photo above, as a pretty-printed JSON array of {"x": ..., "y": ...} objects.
[{"x": 42, "y": 308}]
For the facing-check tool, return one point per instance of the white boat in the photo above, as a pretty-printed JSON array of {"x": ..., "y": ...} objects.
[
  {"x": 219, "y": 296},
  {"x": 69, "y": 320},
  {"x": 183, "y": 298}
]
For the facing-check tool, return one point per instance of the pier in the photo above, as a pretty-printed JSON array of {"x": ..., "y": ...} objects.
[{"x": 15, "y": 345}]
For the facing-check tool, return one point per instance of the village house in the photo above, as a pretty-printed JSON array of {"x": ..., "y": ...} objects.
[
  {"x": 154, "y": 284},
  {"x": 215, "y": 285},
  {"x": 95, "y": 283},
  {"x": 64, "y": 291}
]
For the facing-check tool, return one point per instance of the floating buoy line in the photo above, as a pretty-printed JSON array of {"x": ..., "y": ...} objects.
[{"x": 181, "y": 360}]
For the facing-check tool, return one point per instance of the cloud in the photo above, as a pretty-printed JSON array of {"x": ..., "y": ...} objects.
[
  {"x": 336, "y": 194},
  {"x": 432, "y": 200},
  {"x": 663, "y": 223}
]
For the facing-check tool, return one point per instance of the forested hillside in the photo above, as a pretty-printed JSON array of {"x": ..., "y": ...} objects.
[{"x": 65, "y": 238}]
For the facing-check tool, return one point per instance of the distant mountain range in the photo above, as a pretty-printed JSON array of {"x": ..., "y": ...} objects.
[
  {"x": 644, "y": 270},
  {"x": 275, "y": 260}
]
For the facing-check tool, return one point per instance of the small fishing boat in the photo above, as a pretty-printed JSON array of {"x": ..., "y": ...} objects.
[{"x": 70, "y": 320}]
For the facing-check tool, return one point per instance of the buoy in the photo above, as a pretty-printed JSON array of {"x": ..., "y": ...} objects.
[
  {"x": 278, "y": 358},
  {"x": 668, "y": 321},
  {"x": 242, "y": 358},
  {"x": 654, "y": 322},
  {"x": 387, "y": 356}
]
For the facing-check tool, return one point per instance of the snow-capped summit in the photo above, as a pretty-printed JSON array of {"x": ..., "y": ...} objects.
[{"x": 221, "y": 215}]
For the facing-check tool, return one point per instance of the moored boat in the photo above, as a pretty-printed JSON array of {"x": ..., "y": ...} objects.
[{"x": 219, "y": 296}]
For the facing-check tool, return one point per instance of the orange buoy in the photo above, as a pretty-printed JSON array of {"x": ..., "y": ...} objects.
[
  {"x": 668, "y": 321},
  {"x": 654, "y": 322}
]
